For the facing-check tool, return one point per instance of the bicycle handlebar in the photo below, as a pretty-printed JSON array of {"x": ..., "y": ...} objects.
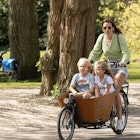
[{"x": 113, "y": 64}]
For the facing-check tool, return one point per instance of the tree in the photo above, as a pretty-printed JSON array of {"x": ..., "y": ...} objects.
[
  {"x": 23, "y": 36},
  {"x": 70, "y": 31},
  {"x": 3, "y": 23},
  {"x": 130, "y": 26},
  {"x": 42, "y": 11},
  {"x": 125, "y": 15}
]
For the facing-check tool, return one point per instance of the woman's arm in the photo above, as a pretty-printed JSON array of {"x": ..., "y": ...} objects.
[
  {"x": 97, "y": 51},
  {"x": 124, "y": 48}
]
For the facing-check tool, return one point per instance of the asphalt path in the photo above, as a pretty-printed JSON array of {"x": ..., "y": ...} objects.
[{"x": 132, "y": 131}]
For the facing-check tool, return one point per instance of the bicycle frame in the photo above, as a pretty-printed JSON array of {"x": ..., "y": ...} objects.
[
  {"x": 100, "y": 109},
  {"x": 125, "y": 88},
  {"x": 93, "y": 113}
]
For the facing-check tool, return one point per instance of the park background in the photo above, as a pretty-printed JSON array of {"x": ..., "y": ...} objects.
[
  {"x": 26, "y": 115},
  {"x": 125, "y": 13}
]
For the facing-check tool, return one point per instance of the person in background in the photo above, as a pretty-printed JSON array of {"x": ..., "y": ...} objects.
[
  {"x": 82, "y": 84},
  {"x": 103, "y": 79},
  {"x": 112, "y": 44}
]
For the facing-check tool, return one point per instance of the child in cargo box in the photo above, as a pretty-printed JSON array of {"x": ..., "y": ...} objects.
[
  {"x": 103, "y": 79},
  {"x": 82, "y": 84}
]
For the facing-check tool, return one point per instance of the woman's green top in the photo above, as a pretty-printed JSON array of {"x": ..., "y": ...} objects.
[{"x": 116, "y": 51}]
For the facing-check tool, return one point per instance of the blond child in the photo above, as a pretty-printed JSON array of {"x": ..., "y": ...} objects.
[
  {"x": 103, "y": 79},
  {"x": 82, "y": 84}
]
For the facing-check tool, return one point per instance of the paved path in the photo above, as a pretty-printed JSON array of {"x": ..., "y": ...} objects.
[
  {"x": 132, "y": 131},
  {"x": 49, "y": 132}
]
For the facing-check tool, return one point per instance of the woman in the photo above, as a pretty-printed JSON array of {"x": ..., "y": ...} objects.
[{"x": 114, "y": 47}]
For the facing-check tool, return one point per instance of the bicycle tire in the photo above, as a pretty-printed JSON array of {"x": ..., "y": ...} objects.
[
  {"x": 65, "y": 125},
  {"x": 113, "y": 119}
]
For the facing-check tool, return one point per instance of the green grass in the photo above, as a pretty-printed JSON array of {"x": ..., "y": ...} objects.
[
  {"x": 134, "y": 69},
  {"x": 19, "y": 84},
  {"x": 133, "y": 76},
  {"x": 7, "y": 55}
]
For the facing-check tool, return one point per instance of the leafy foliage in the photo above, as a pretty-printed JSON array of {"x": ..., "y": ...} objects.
[
  {"x": 131, "y": 26},
  {"x": 42, "y": 11},
  {"x": 125, "y": 15},
  {"x": 111, "y": 9},
  {"x": 4, "y": 23},
  {"x": 38, "y": 65},
  {"x": 55, "y": 91}
]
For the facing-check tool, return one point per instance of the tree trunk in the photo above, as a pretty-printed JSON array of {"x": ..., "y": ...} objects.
[
  {"x": 77, "y": 37},
  {"x": 51, "y": 57},
  {"x": 23, "y": 36},
  {"x": 74, "y": 39}
]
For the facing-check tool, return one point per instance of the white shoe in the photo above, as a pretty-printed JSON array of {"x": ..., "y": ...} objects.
[{"x": 120, "y": 124}]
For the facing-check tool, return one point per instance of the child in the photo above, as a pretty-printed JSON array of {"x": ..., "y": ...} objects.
[
  {"x": 82, "y": 84},
  {"x": 103, "y": 79}
]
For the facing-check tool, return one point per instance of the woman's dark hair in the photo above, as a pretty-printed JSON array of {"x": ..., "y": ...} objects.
[{"x": 116, "y": 30}]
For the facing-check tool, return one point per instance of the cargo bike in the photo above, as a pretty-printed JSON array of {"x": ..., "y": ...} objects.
[{"x": 90, "y": 113}]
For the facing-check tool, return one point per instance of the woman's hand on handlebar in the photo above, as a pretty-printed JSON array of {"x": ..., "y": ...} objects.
[{"x": 121, "y": 64}]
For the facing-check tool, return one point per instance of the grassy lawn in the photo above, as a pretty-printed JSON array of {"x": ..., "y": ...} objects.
[
  {"x": 19, "y": 84},
  {"x": 133, "y": 69}
]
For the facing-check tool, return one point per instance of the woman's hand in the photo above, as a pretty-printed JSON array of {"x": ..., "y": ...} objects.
[{"x": 122, "y": 64}]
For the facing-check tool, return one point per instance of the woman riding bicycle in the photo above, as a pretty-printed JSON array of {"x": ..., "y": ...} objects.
[{"x": 112, "y": 44}]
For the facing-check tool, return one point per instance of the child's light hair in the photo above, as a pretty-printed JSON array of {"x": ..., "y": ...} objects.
[
  {"x": 104, "y": 66},
  {"x": 84, "y": 61}
]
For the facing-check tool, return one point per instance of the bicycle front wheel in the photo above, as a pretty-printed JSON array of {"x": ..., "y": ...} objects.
[
  {"x": 65, "y": 124},
  {"x": 114, "y": 117}
]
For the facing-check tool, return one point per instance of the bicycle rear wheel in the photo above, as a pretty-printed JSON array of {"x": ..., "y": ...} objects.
[
  {"x": 65, "y": 125},
  {"x": 114, "y": 117}
]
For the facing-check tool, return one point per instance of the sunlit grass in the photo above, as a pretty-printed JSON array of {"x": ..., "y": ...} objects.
[
  {"x": 7, "y": 55},
  {"x": 5, "y": 83},
  {"x": 133, "y": 74},
  {"x": 19, "y": 84},
  {"x": 134, "y": 69}
]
